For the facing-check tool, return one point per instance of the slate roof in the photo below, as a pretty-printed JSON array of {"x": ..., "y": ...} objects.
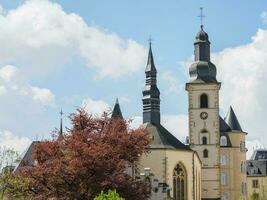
[
  {"x": 116, "y": 113},
  {"x": 162, "y": 138},
  {"x": 150, "y": 62},
  {"x": 27, "y": 157},
  {"x": 257, "y": 167},
  {"x": 224, "y": 126},
  {"x": 232, "y": 120},
  {"x": 259, "y": 154}
]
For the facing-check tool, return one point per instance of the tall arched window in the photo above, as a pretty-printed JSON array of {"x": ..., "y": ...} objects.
[
  {"x": 204, "y": 140},
  {"x": 204, "y": 101},
  {"x": 179, "y": 183},
  {"x": 205, "y": 153},
  {"x": 223, "y": 141}
]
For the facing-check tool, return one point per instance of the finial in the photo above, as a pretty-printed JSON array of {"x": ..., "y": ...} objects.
[
  {"x": 117, "y": 101},
  {"x": 201, "y": 16},
  {"x": 150, "y": 40}
]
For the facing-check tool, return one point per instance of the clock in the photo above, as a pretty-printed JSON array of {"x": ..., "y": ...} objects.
[{"x": 203, "y": 115}]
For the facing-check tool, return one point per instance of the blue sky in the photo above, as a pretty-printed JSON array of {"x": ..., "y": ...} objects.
[{"x": 71, "y": 74}]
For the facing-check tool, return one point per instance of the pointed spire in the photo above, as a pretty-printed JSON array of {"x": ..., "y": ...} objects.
[
  {"x": 151, "y": 100},
  {"x": 61, "y": 125},
  {"x": 116, "y": 113},
  {"x": 232, "y": 120},
  {"x": 150, "y": 61}
]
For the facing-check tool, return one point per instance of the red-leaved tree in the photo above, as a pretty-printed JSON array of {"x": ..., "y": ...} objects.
[{"x": 90, "y": 158}]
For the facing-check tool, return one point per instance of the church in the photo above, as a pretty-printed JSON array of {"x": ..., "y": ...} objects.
[{"x": 212, "y": 163}]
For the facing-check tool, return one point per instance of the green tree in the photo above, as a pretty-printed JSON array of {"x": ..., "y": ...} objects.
[
  {"x": 11, "y": 186},
  {"x": 8, "y": 159},
  {"x": 111, "y": 195}
]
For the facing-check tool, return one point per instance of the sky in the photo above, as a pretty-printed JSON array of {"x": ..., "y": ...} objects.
[{"x": 65, "y": 54}]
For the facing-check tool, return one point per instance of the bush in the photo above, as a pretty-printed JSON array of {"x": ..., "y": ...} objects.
[{"x": 111, "y": 195}]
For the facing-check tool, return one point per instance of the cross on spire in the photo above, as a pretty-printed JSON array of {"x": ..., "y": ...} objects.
[
  {"x": 61, "y": 113},
  {"x": 201, "y": 16}
]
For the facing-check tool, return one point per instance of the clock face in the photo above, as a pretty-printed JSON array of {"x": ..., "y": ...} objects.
[{"x": 203, "y": 115}]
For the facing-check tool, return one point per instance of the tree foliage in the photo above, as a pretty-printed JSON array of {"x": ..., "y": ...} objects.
[
  {"x": 111, "y": 195},
  {"x": 8, "y": 161},
  {"x": 90, "y": 158}
]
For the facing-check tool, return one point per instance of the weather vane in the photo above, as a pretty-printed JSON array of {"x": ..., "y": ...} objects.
[{"x": 201, "y": 16}]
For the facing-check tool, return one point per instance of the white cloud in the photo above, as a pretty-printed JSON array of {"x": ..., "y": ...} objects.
[
  {"x": 41, "y": 37},
  {"x": 95, "y": 107},
  {"x": 44, "y": 96},
  {"x": 177, "y": 125},
  {"x": 252, "y": 145},
  {"x": 173, "y": 85},
  {"x": 243, "y": 72},
  {"x": 10, "y": 141},
  {"x": 22, "y": 104},
  {"x": 264, "y": 17},
  {"x": 13, "y": 85}
]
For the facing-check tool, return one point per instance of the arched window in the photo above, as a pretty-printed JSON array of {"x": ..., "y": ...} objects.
[
  {"x": 223, "y": 159},
  {"x": 179, "y": 183},
  {"x": 223, "y": 141},
  {"x": 204, "y": 101},
  {"x": 223, "y": 178},
  {"x": 204, "y": 140},
  {"x": 205, "y": 153}
]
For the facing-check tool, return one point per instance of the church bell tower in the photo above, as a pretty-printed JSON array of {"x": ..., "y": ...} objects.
[{"x": 204, "y": 133}]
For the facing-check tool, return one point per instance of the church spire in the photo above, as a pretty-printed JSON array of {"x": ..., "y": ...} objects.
[
  {"x": 150, "y": 67},
  {"x": 116, "y": 113},
  {"x": 232, "y": 120},
  {"x": 61, "y": 124},
  {"x": 202, "y": 43},
  {"x": 202, "y": 70},
  {"x": 151, "y": 100}
]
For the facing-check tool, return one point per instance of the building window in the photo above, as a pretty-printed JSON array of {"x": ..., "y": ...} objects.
[
  {"x": 255, "y": 183},
  {"x": 203, "y": 101},
  {"x": 243, "y": 188},
  {"x": 243, "y": 167},
  {"x": 225, "y": 196},
  {"x": 223, "y": 141},
  {"x": 179, "y": 183},
  {"x": 223, "y": 178},
  {"x": 242, "y": 146},
  {"x": 205, "y": 153},
  {"x": 223, "y": 159},
  {"x": 204, "y": 140}
]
